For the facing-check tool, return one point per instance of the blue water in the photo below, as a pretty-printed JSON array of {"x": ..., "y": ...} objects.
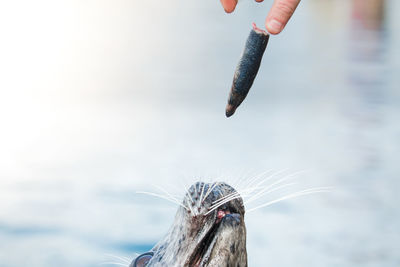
[{"x": 100, "y": 99}]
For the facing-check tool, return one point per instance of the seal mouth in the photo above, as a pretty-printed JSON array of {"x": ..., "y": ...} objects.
[{"x": 204, "y": 248}]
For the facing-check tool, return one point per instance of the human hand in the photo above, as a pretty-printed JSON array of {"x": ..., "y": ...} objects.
[{"x": 278, "y": 16}]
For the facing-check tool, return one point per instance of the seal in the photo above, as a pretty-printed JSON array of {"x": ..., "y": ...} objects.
[{"x": 208, "y": 230}]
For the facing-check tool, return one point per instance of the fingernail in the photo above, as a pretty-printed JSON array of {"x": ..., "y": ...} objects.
[{"x": 274, "y": 26}]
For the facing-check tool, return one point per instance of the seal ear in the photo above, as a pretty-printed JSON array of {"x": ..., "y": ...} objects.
[{"x": 142, "y": 260}]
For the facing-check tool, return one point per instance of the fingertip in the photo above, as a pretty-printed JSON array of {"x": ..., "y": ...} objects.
[
  {"x": 229, "y": 10},
  {"x": 280, "y": 13},
  {"x": 274, "y": 26},
  {"x": 229, "y": 5}
]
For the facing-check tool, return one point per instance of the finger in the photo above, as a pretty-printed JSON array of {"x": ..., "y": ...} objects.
[
  {"x": 280, "y": 14},
  {"x": 229, "y": 5}
]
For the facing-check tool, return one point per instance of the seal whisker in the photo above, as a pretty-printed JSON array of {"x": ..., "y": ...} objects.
[
  {"x": 297, "y": 194},
  {"x": 262, "y": 181},
  {"x": 260, "y": 192},
  {"x": 124, "y": 259},
  {"x": 277, "y": 173},
  {"x": 255, "y": 196},
  {"x": 214, "y": 207},
  {"x": 173, "y": 198},
  {"x": 165, "y": 192},
  {"x": 266, "y": 176},
  {"x": 114, "y": 263},
  {"x": 164, "y": 197},
  {"x": 249, "y": 190},
  {"x": 224, "y": 197},
  {"x": 246, "y": 202},
  {"x": 229, "y": 196},
  {"x": 219, "y": 203},
  {"x": 238, "y": 181},
  {"x": 252, "y": 180}
]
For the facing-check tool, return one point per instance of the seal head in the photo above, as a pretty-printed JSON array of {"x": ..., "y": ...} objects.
[{"x": 208, "y": 230}]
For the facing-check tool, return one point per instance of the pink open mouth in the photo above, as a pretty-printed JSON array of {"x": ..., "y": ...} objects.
[{"x": 221, "y": 214}]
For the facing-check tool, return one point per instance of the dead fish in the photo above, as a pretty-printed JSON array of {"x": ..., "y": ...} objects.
[{"x": 247, "y": 68}]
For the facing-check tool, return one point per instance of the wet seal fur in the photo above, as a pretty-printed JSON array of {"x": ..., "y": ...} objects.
[
  {"x": 247, "y": 68},
  {"x": 208, "y": 230}
]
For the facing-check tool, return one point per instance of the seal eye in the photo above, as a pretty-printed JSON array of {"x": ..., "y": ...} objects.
[{"x": 142, "y": 260}]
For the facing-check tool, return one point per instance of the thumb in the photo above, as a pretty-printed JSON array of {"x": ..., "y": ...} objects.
[{"x": 280, "y": 14}]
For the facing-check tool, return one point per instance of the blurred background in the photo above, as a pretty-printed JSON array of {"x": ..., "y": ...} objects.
[{"x": 100, "y": 99}]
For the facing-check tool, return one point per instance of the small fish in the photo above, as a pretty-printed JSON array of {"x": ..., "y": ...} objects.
[{"x": 247, "y": 68}]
